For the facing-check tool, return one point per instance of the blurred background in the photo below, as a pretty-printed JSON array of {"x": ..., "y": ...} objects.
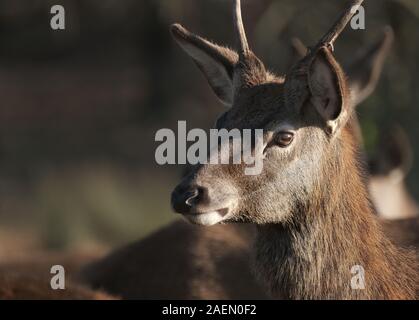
[{"x": 80, "y": 107}]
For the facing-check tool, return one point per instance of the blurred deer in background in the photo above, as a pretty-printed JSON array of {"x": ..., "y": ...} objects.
[
  {"x": 214, "y": 262},
  {"x": 394, "y": 155},
  {"x": 29, "y": 278},
  {"x": 389, "y": 167},
  {"x": 26, "y": 285},
  {"x": 25, "y": 267},
  {"x": 181, "y": 261}
]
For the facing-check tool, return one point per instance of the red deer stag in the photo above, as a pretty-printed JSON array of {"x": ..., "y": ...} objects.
[
  {"x": 314, "y": 218},
  {"x": 208, "y": 262}
]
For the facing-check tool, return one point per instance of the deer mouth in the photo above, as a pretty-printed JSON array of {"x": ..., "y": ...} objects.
[{"x": 209, "y": 218}]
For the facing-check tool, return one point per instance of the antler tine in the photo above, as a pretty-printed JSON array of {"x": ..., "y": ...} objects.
[
  {"x": 330, "y": 37},
  {"x": 239, "y": 29},
  {"x": 299, "y": 47}
]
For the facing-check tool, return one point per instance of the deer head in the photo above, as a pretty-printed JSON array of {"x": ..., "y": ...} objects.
[
  {"x": 305, "y": 117},
  {"x": 390, "y": 166}
]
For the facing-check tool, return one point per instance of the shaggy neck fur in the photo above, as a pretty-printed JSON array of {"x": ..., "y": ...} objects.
[{"x": 311, "y": 257}]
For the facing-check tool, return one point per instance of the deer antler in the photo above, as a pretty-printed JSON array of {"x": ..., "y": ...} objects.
[
  {"x": 243, "y": 45},
  {"x": 330, "y": 37},
  {"x": 299, "y": 47}
]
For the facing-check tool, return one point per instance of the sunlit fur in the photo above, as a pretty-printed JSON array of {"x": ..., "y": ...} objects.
[{"x": 310, "y": 202}]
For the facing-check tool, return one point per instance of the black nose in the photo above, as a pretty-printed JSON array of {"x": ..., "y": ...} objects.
[{"x": 183, "y": 199}]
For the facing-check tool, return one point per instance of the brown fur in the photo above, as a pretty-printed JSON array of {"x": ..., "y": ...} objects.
[
  {"x": 209, "y": 263},
  {"x": 277, "y": 242},
  {"x": 28, "y": 286},
  {"x": 311, "y": 205},
  {"x": 181, "y": 261},
  {"x": 403, "y": 232},
  {"x": 311, "y": 257},
  {"x": 29, "y": 279}
]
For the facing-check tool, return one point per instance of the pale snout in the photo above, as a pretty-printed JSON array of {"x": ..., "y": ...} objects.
[{"x": 200, "y": 204}]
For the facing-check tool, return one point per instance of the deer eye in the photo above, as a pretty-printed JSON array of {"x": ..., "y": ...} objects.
[{"x": 284, "y": 139}]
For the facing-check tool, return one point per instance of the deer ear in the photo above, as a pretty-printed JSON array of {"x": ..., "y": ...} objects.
[
  {"x": 217, "y": 63},
  {"x": 364, "y": 72},
  {"x": 328, "y": 91},
  {"x": 394, "y": 152}
]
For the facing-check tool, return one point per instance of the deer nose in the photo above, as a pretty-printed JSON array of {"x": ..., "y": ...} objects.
[{"x": 184, "y": 199}]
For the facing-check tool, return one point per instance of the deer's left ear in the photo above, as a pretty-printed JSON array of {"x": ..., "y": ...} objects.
[{"x": 328, "y": 89}]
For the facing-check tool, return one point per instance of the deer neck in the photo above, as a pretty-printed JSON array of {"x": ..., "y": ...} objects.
[{"x": 334, "y": 233}]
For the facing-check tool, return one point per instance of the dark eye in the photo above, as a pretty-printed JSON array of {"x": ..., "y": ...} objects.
[{"x": 284, "y": 139}]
